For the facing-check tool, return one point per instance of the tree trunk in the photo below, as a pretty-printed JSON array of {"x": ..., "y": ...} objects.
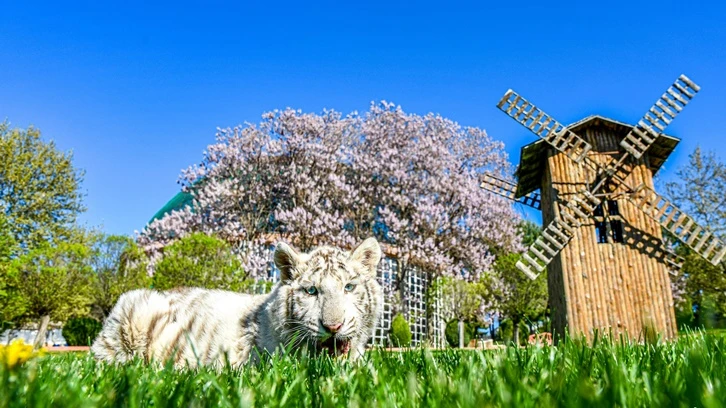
[
  {"x": 461, "y": 334},
  {"x": 42, "y": 330},
  {"x": 11, "y": 332},
  {"x": 431, "y": 299},
  {"x": 401, "y": 287},
  {"x": 515, "y": 331},
  {"x": 697, "y": 316}
]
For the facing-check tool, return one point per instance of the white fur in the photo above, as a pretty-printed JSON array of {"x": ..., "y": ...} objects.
[{"x": 196, "y": 326}]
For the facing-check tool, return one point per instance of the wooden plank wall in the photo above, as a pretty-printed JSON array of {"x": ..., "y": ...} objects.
[
  {"x": 558, "y": 290},
  {"x": 617, "y": 288}
]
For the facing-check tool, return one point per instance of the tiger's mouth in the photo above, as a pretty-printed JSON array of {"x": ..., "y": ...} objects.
[{"x": 334, "y": 346}]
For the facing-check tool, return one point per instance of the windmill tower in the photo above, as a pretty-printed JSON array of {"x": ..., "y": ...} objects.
[{"x": 602, "y": 244}]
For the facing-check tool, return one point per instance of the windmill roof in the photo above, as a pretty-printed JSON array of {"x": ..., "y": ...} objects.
[{"x": 533, "y": 156}]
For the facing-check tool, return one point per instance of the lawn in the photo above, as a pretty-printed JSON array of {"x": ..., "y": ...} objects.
[{"x": 688, "y": 372}]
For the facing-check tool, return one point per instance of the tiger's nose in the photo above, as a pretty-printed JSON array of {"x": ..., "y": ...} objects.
[{"x": 333, "y": 328}]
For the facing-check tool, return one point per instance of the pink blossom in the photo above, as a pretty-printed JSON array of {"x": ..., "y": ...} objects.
[{"x": 409, "y": 180}]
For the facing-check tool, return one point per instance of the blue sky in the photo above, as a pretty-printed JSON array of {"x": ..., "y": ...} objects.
[{"x": 137, "y": 91}]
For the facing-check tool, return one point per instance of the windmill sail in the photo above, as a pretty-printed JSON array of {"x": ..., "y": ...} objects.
[
  {"x": 508, "y": 189},
  {"x": 557, "y": 234},
  {"x": 544, "y": 126},
  {"x": 660, "y": 115},
  {"x": 680, "y": 224},
  {"x": 674, "y": 262}
]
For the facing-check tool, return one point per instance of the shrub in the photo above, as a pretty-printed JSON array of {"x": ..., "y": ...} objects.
[
  {"x": 685, "y": 320},
  {"x": 81, "y": 331},
  {"x": 452, "y": 333},
  {"x": 400, "y": 332},
  {"x": 199, "y": 260},
  {"x": 523, "y": 333},
  {"x": 505, "y": 332}
]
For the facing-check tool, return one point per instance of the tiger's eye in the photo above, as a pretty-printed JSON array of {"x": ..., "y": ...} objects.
[
  {"x": 349, "y": 287},
  {"x": 312, "y": 290}
]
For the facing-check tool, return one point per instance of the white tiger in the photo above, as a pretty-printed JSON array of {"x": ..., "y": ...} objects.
[{"x": 327, "y": 300}]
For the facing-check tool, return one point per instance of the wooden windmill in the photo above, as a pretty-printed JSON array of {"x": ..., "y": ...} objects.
[{"x": 602, "y": 244}]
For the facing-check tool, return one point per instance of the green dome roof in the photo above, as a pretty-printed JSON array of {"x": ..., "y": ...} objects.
[{"x": 177, "y": 202}]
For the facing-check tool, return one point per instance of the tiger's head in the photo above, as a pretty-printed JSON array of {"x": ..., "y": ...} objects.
[{"x": 333, "y": 300}]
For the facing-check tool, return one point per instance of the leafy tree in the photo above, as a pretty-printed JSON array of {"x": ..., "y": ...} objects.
[
  {"x": 530, "y": 231},
  {"x": 701, "y": 290},
  {"x": 519, "y": 297},
  {"x": 400, "y": 332},
  {"x": 684, "y": 315},
  {"x": 7, "y": 241},
  {"x": 55, "y": 282},
  {"x": 120, "y": 266},
  {"x": 699, "y": 191},
  {"x": 11, "y": 306},
  {"x": 199, "y": 260},
  {"x": 39, "y": 188},
  {"x": 462, "y": 301}
]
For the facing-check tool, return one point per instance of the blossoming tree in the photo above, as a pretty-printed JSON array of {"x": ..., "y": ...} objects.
[{"x": 410, "y": 180}]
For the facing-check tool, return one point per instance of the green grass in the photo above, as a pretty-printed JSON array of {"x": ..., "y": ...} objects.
[{"x": 688, "y": 372}]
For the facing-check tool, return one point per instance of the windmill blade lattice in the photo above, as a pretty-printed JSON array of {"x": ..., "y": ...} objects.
[
  {"x": 660, "y": 115},
  {"x": 507, "y": 189},
  {"x": 555, "y": 134},
  {"x": 680, "y": 224},
  {"x": 674, "y": 262},
  {"x": 636, "y": 142},
  {"x": 557, "y": 234},
  {"x": 544, "y": 126}
]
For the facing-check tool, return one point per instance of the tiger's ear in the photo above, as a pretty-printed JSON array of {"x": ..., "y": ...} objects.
[
  {"x": 367, "y": 254},
  {"x": 286, "y": 260}
]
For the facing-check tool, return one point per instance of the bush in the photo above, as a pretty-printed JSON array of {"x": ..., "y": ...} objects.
[
  {"x": 505, "y": 332},
  {"x": 684, "y": 316},
  {"x": 452, "y": 333},
  {"x": 523, "y": 333},
  {"x": 81, "y": 331},
  {"x": 199, "y": 260},
  {"x": 400, "y": 332}
]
